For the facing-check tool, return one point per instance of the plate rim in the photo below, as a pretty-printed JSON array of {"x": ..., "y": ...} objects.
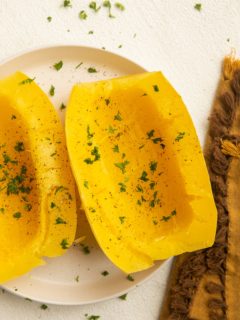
[{"x": 121, "y": 56}]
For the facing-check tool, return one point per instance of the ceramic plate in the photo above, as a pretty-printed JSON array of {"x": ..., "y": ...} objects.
[{"x": 74, "y": 278}]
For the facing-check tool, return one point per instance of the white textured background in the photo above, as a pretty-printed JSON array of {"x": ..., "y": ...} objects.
[{"x": 167, "y": 35}]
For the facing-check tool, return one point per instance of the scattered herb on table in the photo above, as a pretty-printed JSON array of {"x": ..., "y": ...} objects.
[
  {"x": 91, "y": 70},
  {"x": 77, "y": 278},
  {"x": 62, "y": 107},
  {"x": 92, "y": 317},
  {"x": 52, "y": 91},
  {"x": 130, "y": 278},
  {"x": 198, "y": 6},
  {"x": 79, "y": 65},
  {"x": 93, "y": 6},
  {"x": 83, "y": 15},
  {"x": 49, "y": 19},
  {"x": 123, "y": 297},
  {"x": 67, "y": 4},
  {"x": 107, "y": 4},
  {"x": 58, "y": 65},
  {"x": 105, "y": 273},
  {"x": 43, "y": 306},
  {"x": 85, "y": 249},
  {"x": 119, "y": 6},
  {"x": 90, "y": 32}
]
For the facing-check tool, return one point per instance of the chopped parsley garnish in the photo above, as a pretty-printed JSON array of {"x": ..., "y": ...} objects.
[
  {"x": 154, "y": 222},
  {"x": 79, "y": 65},
  {"x": 116, "y": 148},
  {"x": 198, "y": 6},
  {"x": 59, "y": 220},
  {"x": 92, "y": 70},
  {"x": 107, "y": 101},
  {"x": 118, "y": 117},
  {"x": 152, "y": 185},
  {"x": 93, "y": 6},
  {"x": 153, "y": 165},
  {"x": 130, "y": 278},
  {"x": 156, "y": 140},
  {"x": 49, "y": 19},
  {"x": 119, "y": 6},
  {"x": 150, "y": 133},
  {"x": 85, "y": 183},
  {"x": 166, "y": 218},
  {"x": 77, "y": 278},
  {"x": 7, "y": 159},
  {"x": 60, "y": 189},
  {"x": 122, "y": 165},
  {"x": 107, "y": 4},
  {"x": 89, "y": 133},
  {"x": 83, "y": 15},
  {"x": 85, "y": 249},
  {"x": 139, "y": 188},
  {"x": 64, "y": 244},
  {"x": 13, "y": 117},
  {"x": 52, "y": 205},
  {"x": 154, "y": 200},
  {"x": 180, "y": 136},
  {"x": 123, "y": 187},
  {"x": 155, "y": 88},
  {"x": 19, "y": 147},
  {"x": 95, "y": 153},
  {"x": 105, "y": 273},
  {"x": 67, "y": 4},
  {"x": 44, "y": 307},
  {"x": 17, "y": 215},
  {"x": 90, "y": 32},
  {"x": 123, "y": 297},
  {"x": 58, "y": 65},
  {"x": 27, "y": 207},
  {"x": 144, "y": 176},
  {"x": 27, "y": 81},
  {"x": 120, "y": 46},
  {"x": 62, "y": 107},
  {"x": 111, "y": 130},
  {"x": 52, "y": 91},
  {"x": 2, "y": 210},
  {"x": 122, "y": 219}
]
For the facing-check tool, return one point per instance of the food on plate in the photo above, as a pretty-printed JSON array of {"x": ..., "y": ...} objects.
[
  {"x": 139, "y": 169},
  {"x": 37, "y": 190},
  {"x": 205, "y": 284}
]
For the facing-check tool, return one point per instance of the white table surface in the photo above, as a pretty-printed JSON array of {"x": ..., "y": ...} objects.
[{"x": 167, "y": 35}]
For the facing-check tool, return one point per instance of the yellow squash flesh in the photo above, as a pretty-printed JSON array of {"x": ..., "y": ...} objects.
[
  {"x": 139, "y": 169},
  {"x": 37, "y": 195}
]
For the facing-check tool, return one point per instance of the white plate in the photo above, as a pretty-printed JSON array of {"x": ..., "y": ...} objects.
[{"x": 56, "y": 282}]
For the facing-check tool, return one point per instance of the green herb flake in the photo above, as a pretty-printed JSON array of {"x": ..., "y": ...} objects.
[
  {"x": 122, "y": 219},
  {"x": 85, "y": 249},
  {"x": 17, "y": 215},
  {"x": 59, "y": 220},
  {"x": 153, "y": 165},
  {"x": 95, "y": 153},
  {"x": 58, "y": 65},
  {"x": 107, "y": 101},
  {"x": 85, "y": 183},
  {"x": 154, "y": 222},
  {"x": 155, "y": 88},
  {"x": 2, "y": 210},
  {"x": 180, "y": 136},
  {"x": 144, "y": 176},
  {"x": 90, "y": 32},
  {"x": 19, "y": 147},
  {"x": 139, "y": 188},
  {"x": 27, "y": 81},
  {"x": 52, "y": 205},
  {"x": 198, "y": 7},
  {"x": 93, "y": 6},
  {"x": 111, "y": 130},
  {"x": 167, "y": 218},
  {"x": 150, "y": 134},
  {"x": 43, "y": 306},
  {"x": 156, "y": 140},
  {"x": 123, "y": 187},
  {"x": 152, "y": 185},
  {"x": 92, "y": 70},
  {"x": 122, "y": 165},
  {"x": 83, "y": 15},
  {"x": 79, "y": 65},
  {"x": 139, "y": 203},
  {"x": 52, "y": 91},
  {"x": 88, "y": 161},
  {"x": 107, "y": 4},
  {"x": 93, "y": 317},
  {"x": 49, "y": 19},
  {"x": 67, "y": 4},
  {"x": 60, "y": 189},
  {"x": 27, "y": 207},
  {"x": 116, "y": 148},
  {"x": 130, "y": 278},
  {"x": 62, "y": 107},
  {"x": 123, "y": 297},
  {"x": 118, "y": 117},
  {"x": 77, "y": 279},
  {"x": 13, "y": 117},
  {"x": 119, "y": 6},
  {"x": 120, "y": 46},
  {"x": 64, "y": 244},
  {"x": 105, "y": 273}
]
